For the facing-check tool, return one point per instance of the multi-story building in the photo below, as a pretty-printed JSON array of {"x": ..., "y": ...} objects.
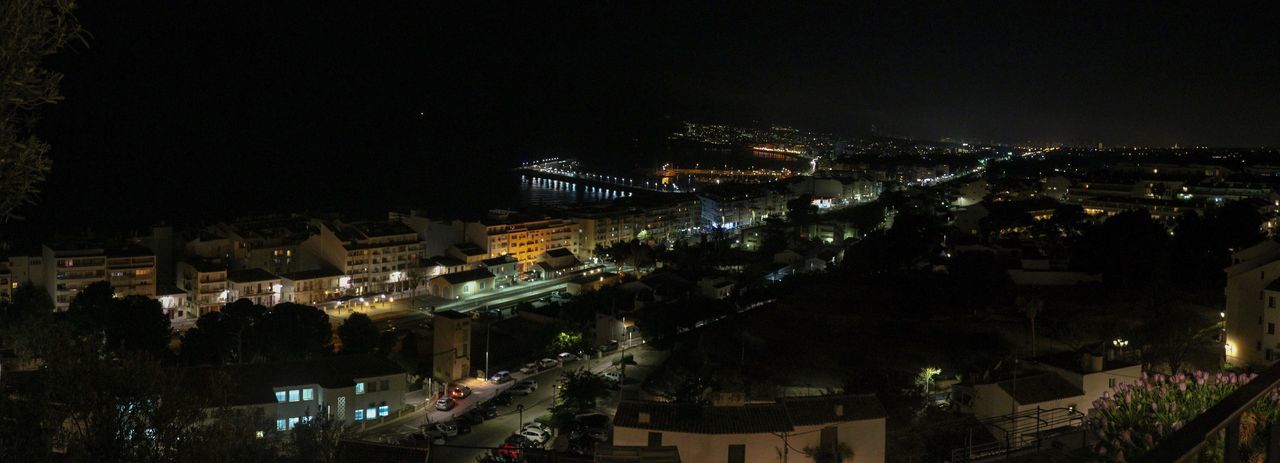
[
  {"x": 756, "y": 432},
  {"x": 73, "y": 266},
  {"x": 1252, "y": 310},
  {"x": 260, "y": 286},
  {"x": 375, "y": 257},
  {"x": 451, "y": 346},
  {"x": 175, "y": 305},
  {"x": 311, "y": 287},
  {"x": 652, "y": 220},
  {"x": 205, "y": 283},
  {"x": 730, "y": 207},
  {"x": 271, "y": 243},
  {"x": 351, "y": 389},
  {"x": 132, "y": 271},
  {"x": 522, "y": 236}
]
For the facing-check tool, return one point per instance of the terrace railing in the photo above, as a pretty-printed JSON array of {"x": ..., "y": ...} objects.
[{"x": 1222, "y": 421}]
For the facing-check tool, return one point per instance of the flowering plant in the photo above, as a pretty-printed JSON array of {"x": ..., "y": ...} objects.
[{"x": 1131, "y": 419}]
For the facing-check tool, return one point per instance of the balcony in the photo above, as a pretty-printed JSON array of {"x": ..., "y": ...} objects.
[{"x": 1215, "y": 434}]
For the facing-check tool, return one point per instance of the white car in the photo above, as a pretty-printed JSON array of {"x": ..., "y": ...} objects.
[
  {"x": 529, "y": 368},
  {"x": 447, "y": 429},
  {"x": 566, "y": 357},
  {"x": 547, "y": 363},
  {"x": 539, "y": 426},
  {"x": 445, "y": 404},
  {"x": 535, "y": 435},
  {"x": 612, "y": 375}
]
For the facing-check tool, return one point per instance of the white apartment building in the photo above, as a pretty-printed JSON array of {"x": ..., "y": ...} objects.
[
  {"x": 311, "y": 287},
  {"x": 205, "y": 283},
  {"x": 71, "y": 267},
  {"x": 260, "y": 286},
  {"x": 669, "y": 219},
  {"x": 523, "y": 237},
  {"x": 374, "y": 257},
  {"x": 1252, "y": 310}
]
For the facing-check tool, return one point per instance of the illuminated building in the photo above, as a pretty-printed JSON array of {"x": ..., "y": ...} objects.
[
  {"x": 311, "y": 287},
  {"x": 205, "y": 283},
  {"x": 521, "y": 236},
  {"x": 1253, "y": 305},
  {"x": 451, "y": 346},
  {"x": 376, "y": 257},
  {"x": 260, "y": 286},
  {"x": 651, "y": 220},
  {"x": 71, "y": 267}
]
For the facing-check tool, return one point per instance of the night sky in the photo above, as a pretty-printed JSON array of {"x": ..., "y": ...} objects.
[{"x": 182, "y": 108}]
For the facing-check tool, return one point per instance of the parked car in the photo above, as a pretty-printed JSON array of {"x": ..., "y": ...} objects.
[
  {"x": 530, "y": 368},
  {"x": 536, "y": 425},
  {"x": 609, "y": 346},
  {"x": 517, "y": 440},
  {"x": 510, "y": 452},
  {"x": 472, "y": 417},
  {"x": 566, "y": 357},
  {"x": 460, "y": 392},
  {"x": 447, "y": 429},
  {"x": 501, "y": 377},
  {"x": 535, "y": 435},
  {"x": 548, "y": 363},
  {"x": 502, "y": 399},
  {"x": 612, "y": 375},
  {"x": 488, "y": 411},
  {"x": 524, "y": 388},
  {"x": 463, "y": 426},
  {"x": 445, "y": 404},
  {"x": 589, "y": 433}
]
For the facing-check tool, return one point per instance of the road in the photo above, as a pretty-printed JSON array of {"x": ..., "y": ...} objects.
[{"x": 493, "y": 432}]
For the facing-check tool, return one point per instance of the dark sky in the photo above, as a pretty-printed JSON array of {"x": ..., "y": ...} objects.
[{"x": 241, "y": 104}]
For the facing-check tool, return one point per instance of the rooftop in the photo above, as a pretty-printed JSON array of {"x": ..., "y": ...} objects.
[
  {"x": 500, "y": 260},
  {"x": 1040, "y": 387},
  {"x": 559, "y": 252},
  {"x": 1072, "y": 361},
  {"x": 311, "y": 274},
  {"x": 206, "y": 266},
  {"x": 752, "y": 418},
  {"x": 469, "y": 249},
  {"x": 250, "y": 275},
  {"x": 453, "y": 314},
  {"x": 255, "y": 383},
  {"x": 469, "y": 275}
]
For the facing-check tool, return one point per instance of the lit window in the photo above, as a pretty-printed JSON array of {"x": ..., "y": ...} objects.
[
  {"x": 280, "y": 425},
  {"x": 384, "y": 410},
  {"x": 280, "y": 396},
  {"x": 307, "y": 394},
  {"x": 359, "y": 415},
  {"x": 359, "y": 388},
  {"x": 293, "y": 422},
  {"x": 293, "y": 395},
  {"x": 371, "y": 413}
]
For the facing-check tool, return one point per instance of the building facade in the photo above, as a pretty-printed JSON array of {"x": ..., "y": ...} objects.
[
  {"x": 756, "y": 432},
  {"x": 374, "y": 257},
  {"x": 523, "y": 237},
  {"x": 451, "y": 346},
  {"x": 205, "y": 283},
  {"x": 257, "y": 285},
  {"x": 1252, "y": 310}
]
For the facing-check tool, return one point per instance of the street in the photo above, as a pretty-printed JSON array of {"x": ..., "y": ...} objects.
[{"x": 491, "y": 433}]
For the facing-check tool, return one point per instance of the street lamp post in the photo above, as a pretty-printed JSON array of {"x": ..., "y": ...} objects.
[{"x": 520, "y": 411}]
